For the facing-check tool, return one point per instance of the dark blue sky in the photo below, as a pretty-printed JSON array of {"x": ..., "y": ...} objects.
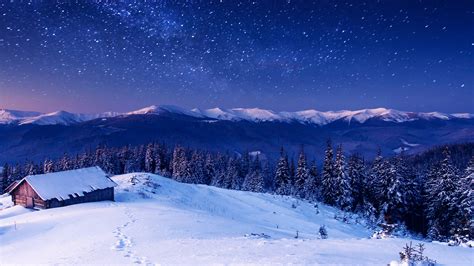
[{"x": 282, "y": 55}]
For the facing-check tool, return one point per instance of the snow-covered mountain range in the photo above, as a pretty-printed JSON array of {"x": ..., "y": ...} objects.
[
  {"x": 236, "y": 114},
  {"x": 23, "y": 136},
  {"x": 54, "y": 118}
]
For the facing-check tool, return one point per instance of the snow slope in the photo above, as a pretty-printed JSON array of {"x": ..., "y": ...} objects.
[{"x": 157, "y": 220}]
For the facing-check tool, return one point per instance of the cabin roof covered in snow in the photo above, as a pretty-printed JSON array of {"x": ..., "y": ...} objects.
[{"x": 61, "y": 185}]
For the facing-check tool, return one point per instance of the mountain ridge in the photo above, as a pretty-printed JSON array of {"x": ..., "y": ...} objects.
[{"x": 309, "y": 116}]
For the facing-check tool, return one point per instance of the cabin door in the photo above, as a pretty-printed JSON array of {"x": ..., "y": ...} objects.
[{"x": 29, "y": 202}]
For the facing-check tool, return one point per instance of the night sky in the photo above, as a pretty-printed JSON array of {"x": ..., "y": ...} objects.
[{"x": 89, "y": 56}]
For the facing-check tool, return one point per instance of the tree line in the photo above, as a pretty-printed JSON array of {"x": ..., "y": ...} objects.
[{"x": 433, "y": 197}]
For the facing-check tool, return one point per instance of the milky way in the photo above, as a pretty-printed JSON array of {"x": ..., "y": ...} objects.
[{"x": 284, "y": 55}]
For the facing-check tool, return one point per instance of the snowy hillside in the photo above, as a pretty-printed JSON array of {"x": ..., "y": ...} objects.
[
  {"x": 236, "y": 114},
  {"x": 157, "y": 220}
]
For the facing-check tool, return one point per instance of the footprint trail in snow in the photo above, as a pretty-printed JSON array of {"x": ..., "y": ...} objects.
[{"x": 125, "y": 244}]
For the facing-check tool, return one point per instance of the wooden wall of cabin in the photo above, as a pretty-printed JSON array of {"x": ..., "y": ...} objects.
[
  {"x": 96, "y": 195},
  {"x": 22, "y": 192}
]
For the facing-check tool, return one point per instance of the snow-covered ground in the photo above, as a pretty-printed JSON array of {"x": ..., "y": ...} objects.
[{"x": 157, "y": 220}]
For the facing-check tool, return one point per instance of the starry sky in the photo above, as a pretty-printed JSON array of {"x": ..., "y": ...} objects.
[{"x": 94, "y": 56}]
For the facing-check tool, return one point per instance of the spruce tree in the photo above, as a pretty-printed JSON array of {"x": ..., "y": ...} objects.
[
  {"x": 150, "y": 163},
  {"x": 267, "y": 174},
  {"x": 282, "y": 174},
  {"x": 470, "y": 167},
  {"x": 244, "y": 165},
  {"x": 395, "y": 205},
  {"x": 220, "y": 170},
  {"x": 31, "y": 169},
  {"x": 328, "y": 179},
  {"x": 378, "y": 182},
  {"x": 233, "y": 179},
  {"x": 179, "y": 164},
  {"x": 209, "y": 169},
  {"x": 65, "y": 163},
  {"x": 109, "y": 162},
  {"x": 48, "y": 166},
  {"x": 464, "y": 223},
  {"x": 358, "y": 179},
  {"x": 159, "y": 163},
  {"x": 4, "y": 177},
  {"x": 301, "y": 176},
  {"x": 313, "y": 184},
  {"x": 197, "y": 167},
  {"x": 442, "y": 203},
  {"x": 342, "y": 193},
  {"x": 254, "y": 180}
]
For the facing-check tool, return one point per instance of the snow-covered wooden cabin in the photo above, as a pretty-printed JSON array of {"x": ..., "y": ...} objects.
[{"x": 63, "y": 188}]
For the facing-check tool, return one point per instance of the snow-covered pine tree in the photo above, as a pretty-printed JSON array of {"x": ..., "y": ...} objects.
[
  {"x": 267, "y": 175},
  {"x": 244, "y": 164},
  {"x": 140, "y": 158},
  {"x": 179, "y": 163},
  {"x": 220, "y": 170},
  {"x": 31, "y": 169},
  {"x": 197, "y": 167},
  {"x": 85, "y": 160},
  {"x": 358, "y": 179},
  {"x": 150, "y": 163},
  {"x": 301, "y": 176},
  {"x": 126, "y": 160},
  {"x": 75, "y": 162},
  {"x": 16, "y": 173},
  {"x": 441, "y": 205},
  {"x": 378, "y": 182},
  {"x": 98, "y": 157},
  {"x": 470, "y": 167},
  {"x": 110, "y": 162},
  {"x": 328, "y": 178},
  {"x": 65, "y": 163},
  {"x": 370, "y": 213},
  {"x": 134, "y": 162},
  {"x": 48, "y": 166},
  {"x": 209, "y": 169},
  {"x": 313, "y": 184},
  {"x": 159, "y": 162},
  {"x": 343, "y": 194},
  {"x": 464, "y": 224},
  {"x": 188, "y": 176},
  {"x": 282, "y": 174},
  {"x": 412, "y": 192},
  {"x": 4, "y": 178},
  {"x": 232, "y": 179},
  {"x": 395, "y": 205},
  {"x": 254, "y": 180},
  {"x": 162, "y": 161}
]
